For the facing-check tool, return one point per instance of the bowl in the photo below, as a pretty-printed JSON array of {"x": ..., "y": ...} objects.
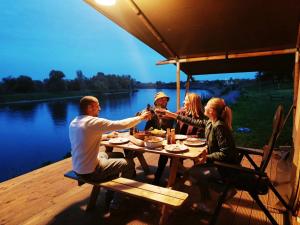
[
  {"x": 159, "y": 133},
  {"x": 153, "y": 142},
  {"x": 140, "y": 135}
]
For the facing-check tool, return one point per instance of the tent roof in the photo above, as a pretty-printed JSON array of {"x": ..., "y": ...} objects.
[{"x": 179, "y": 29}]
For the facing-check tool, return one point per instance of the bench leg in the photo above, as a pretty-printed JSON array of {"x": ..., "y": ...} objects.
[
  {"x": 93, "y": 198},
  {"x": 164, "y": 215},
  {"x": 143, "y": 162}
]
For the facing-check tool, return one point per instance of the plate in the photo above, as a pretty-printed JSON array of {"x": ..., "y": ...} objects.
[
  {"x": 176, "y": 148},
  {"x": 180, "y": 137},
  {"x": 119, "y": 140},
  {"x": 194, "y": 142}
]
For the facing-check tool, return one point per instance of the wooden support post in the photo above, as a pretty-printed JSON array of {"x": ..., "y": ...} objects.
[
  {"x": 296, "y": 79},
  {"x": 178, "y": 84}
]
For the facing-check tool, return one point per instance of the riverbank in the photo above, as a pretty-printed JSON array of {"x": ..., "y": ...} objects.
[{"x": 46, "y": 96}]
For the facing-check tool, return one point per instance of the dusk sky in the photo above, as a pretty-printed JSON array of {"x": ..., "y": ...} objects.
[{"x": 69, "y": 35}]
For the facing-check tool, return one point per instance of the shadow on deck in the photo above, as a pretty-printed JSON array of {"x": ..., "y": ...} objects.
[{"x": 45, "y": 196}]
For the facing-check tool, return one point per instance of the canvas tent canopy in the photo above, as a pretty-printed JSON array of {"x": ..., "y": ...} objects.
[
  {"x": 189, "y": 29},
  {"x": 211, "y": 36}
]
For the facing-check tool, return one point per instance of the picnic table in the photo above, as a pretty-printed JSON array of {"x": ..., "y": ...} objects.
[{"x": 192, "y": 153}]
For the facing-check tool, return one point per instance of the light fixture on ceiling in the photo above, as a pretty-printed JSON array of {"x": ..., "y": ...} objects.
[{"x": 106, "y": 2}]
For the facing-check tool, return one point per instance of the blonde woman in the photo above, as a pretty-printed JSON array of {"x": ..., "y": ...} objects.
[
  {"x": 220, "y": 145},
  {"x": 192, "y": 107}
]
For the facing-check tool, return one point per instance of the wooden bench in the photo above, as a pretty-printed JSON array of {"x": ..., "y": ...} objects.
[{"x": 161, "y": 195}]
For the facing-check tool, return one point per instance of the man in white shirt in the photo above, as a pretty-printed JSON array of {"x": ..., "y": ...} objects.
[{"x": 85, "y": 133}]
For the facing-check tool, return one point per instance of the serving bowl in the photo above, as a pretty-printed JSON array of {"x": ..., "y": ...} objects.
[
  {"x": 140, "y": 135},
  {"x": 153, "y": 142}
]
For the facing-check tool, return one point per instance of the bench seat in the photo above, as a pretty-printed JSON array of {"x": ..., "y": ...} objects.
[{"x": 138, "y": 189}]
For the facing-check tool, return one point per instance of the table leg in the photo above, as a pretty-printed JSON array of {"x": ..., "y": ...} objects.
[
  {"x": 171, "y": 181},
  {"x": 173, "y": 171}
]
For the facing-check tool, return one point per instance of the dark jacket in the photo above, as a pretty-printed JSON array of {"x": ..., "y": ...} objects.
[
  {"x": 220, "y": 141},
  {"x": 186, "y": 129}
]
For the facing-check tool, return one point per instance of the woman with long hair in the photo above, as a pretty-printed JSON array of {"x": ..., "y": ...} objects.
[
  {"x": 220, "y": 145},
  {"x": 192, "y": 107}
]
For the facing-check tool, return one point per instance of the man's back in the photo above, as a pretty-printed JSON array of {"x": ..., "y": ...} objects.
[{"x": 85, "y": 141}]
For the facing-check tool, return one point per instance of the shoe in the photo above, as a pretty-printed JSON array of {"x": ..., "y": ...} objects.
[
  {"x": 201, "y": 207},
  {"x": 106, "y": 213}
]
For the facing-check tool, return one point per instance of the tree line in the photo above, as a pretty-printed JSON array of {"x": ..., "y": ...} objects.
[
  {"x": 56, "y": 82},
  {"x": 103, "y": 83}
]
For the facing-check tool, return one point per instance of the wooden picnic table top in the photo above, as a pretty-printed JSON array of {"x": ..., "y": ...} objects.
[{"x": 193, "y": 152}]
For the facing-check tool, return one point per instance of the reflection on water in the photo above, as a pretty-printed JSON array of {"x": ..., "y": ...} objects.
[
  {"x": 23, "y": 110},
  {"x": 34, "y": 133},
  {"x": 58, "y": 112}
]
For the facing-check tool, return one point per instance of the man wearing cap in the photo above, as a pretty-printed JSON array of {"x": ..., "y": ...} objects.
[{"x": 160, "y": 101}]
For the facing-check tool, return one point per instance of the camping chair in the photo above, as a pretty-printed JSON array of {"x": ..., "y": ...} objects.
[{"x": 255, "y": 181}]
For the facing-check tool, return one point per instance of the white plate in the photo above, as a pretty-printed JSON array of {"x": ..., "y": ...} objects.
[
  {"x": 194, "y": 142},
  {"x": 180, "y": 137},
  {"x": 119, "y": 140},
  {"x": 176, "y": 148}
]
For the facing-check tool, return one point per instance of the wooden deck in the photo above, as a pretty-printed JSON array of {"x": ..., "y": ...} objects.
[{"x": 45, "y": 196}]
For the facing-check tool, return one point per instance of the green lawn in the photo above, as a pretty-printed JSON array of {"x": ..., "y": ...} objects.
[{"x": 255, "y": 110}]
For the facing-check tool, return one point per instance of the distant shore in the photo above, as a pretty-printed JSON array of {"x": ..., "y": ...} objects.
[{"x": 50, "y": 97}]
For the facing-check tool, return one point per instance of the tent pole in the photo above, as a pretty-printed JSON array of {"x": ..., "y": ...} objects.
[
  {"x": 296, "y": 79},
  {"x": 187, "y": 85},
  {"x": 178, "y": 84}
]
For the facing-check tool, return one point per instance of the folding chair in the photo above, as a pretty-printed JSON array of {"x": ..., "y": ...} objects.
[{"x": 255, "y": 181}]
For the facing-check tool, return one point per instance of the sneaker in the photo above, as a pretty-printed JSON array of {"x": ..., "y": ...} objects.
[{"x": 106, "y": 213}]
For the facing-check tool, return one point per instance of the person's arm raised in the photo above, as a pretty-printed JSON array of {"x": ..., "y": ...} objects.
[
  {"x": 166, "y": 113},
  {"x": 145, "y": 115}
]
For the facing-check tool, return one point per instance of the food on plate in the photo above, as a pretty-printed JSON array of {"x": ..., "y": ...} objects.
[
  {"x": 176, "y": 148},
  {"x": 118, "y": 140},
  {"x": 194, "y": 142},
  {"x": 180, "y": 137},
  {"x": 158, "y": 132}
]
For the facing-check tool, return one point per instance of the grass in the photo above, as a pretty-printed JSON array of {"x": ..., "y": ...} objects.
[{"x": 255, "y": 110}]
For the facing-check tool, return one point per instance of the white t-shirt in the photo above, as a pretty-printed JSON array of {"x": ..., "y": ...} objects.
[{"x": 85, "y": 135}]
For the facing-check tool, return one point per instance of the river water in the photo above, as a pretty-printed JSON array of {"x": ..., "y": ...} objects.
[{"x": 32, "y": 134}]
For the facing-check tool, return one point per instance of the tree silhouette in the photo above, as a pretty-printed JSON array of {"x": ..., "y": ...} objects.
[{"x": 55, "y": 81}]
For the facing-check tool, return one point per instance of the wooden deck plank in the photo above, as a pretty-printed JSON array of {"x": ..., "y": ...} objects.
[
  {"x": 59, "y": 204},
  {"x": 245, "y": 205},
  {"x": 272, "y": 201},
  {"x": 45, "y": 195}
]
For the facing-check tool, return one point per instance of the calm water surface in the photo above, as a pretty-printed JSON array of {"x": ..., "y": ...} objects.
[{"x": 32, "y": 134}]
